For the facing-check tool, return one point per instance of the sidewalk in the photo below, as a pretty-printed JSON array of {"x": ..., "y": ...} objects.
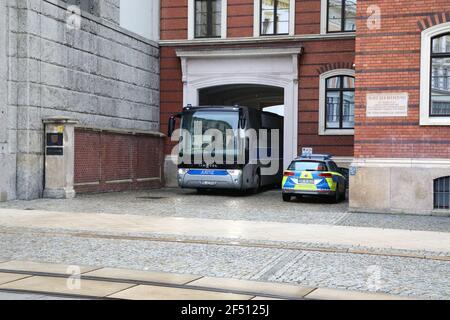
[
  {"x": 233, "y": 230},
  {"x": 52, "y": 280}
]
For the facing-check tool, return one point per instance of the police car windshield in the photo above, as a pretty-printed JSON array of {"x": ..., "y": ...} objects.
[{"x": 308, "y": 166}]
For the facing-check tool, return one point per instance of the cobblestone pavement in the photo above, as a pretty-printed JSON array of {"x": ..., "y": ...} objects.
[
  {"x": 265, "y": 261},
  {"x": 395, "y": 275},
  {"x": 266, "y": 206}
]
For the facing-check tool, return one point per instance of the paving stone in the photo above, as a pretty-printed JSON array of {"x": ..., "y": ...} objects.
[
  {"x": 276, "y": 289},
  {"x": 60, "y": 286},
  {"x": 4, "y": 295},
  {"x": 164, "y": 293},
  {"x": 30, "y": 266},
  {"x": 265, "y": 298},
  {"x": 126, "y": 274},
  {"x": 334, "y": 294},
  {"x": 9, "y": 277}
]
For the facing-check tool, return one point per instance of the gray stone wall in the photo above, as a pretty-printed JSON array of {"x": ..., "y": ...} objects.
[
  {"x": 101, "y": 75},
  {"x": 105, "y": 9}
]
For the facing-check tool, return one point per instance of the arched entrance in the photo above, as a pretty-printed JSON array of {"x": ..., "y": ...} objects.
[
  {"x": 250, "y": 95},
  {"x": 264, "y": 72}
]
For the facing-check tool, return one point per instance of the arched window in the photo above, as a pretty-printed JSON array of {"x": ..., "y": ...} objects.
[
  {"x": 442, "y": 193},
  {"x": 440, "y": 76},
  {"x": 435, "y": 76},
  {"x": 337, "y": 102}
]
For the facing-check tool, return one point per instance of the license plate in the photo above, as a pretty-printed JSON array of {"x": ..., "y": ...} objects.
[
  {"x": 208, "y": 183},
  {"x": 305, "y": 181}
]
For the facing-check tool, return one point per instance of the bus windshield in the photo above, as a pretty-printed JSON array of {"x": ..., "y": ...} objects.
[{"x": 210, "y": 131}]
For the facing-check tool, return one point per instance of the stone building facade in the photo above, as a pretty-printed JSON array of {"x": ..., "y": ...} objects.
[{"x": 98, "y": 73}]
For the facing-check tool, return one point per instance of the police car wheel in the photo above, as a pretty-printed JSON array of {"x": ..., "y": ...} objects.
[
  {"x": 337, "y": 195},
  {"x": 286, "y": 197}
]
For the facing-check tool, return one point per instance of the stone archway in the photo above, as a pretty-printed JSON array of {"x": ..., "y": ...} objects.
[{"x": 271, "y": 67}]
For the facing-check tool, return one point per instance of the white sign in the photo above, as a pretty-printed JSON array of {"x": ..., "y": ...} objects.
[
  {"x": 307, "y": 152},
  {"x": 387, "y": 104}
]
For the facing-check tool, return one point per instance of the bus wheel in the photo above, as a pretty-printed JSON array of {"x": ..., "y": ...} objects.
[
  {"x": 256, "y": 189},
  {"x": 286, "y": 197}
]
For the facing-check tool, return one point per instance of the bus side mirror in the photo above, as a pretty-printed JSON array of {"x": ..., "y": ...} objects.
[{"x": 172, "y": 124}]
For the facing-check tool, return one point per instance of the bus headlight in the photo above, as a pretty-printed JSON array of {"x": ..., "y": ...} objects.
[{"x": 234, "y": 172}]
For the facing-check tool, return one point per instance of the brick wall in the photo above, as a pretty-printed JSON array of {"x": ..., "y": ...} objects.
[
  {"x": 307, "y": 16},
  {"x": 319, "y": 57},
  {"x": 108, "y": 161},
  {"x": 240, "y": 18},
  {"x": 388, "y": 60},
  {"x": 174, "y": 18}
]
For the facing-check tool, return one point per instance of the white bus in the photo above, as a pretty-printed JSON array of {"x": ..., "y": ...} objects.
[{"x": 248, "y": 157}]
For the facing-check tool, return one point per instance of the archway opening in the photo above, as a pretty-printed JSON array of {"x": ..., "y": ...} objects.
[{"x": 262, "y": 97}]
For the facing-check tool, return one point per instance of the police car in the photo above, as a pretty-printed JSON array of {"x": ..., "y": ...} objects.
[{"x": 314, "y": 174}]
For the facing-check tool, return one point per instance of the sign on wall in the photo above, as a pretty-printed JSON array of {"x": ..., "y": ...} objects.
[{"x": 387, "y": 104}]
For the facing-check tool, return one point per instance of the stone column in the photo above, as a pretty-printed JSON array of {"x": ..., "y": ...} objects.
[{"x": 59, "y": 157}]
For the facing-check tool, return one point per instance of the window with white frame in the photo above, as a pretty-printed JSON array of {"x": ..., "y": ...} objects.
[
  {"x": 207, "y": 19},
  {"x": 435, "y": 76},
  {"x": 440, "y": 76},
  {"x": 338, "y": 16},
  {"x": 337, "y": 102},
  {"x": 274, "y": 17}
]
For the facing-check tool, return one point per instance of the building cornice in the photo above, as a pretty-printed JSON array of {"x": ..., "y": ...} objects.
[
  {"x": 401, "y": 162},
  {"x": 253, "y": 40},
  {"x": 238, "y": 52}
]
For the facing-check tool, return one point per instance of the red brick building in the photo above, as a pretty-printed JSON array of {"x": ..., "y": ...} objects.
[
  {"x": 390, "y": 126},
  {"x": 243, "y": 47},
  {"x": 402, "y": 152}
]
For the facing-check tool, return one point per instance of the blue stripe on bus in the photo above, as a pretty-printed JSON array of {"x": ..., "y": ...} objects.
[{"x": 208, "y": 172}]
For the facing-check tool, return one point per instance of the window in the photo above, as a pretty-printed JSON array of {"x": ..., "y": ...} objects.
[
  {"x": 435, "y": 76},
  {"x": 442, "y": 193},
  {"x": 440, "y": 76},
  {"x": 337, "y": 102},
  {"x": 340, "y": 103},
  {"x": 341, "y": 15},
  {"x": 307, "y": 166},
  {"x": 275, "y": 16},
  {"x": 208, "y": 18}
]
